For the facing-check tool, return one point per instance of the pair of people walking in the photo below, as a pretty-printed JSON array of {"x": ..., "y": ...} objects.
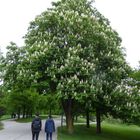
[{"x": 37, "y": 125}]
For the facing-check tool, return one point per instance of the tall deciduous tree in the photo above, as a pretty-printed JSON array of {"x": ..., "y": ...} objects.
[
  {"x": 19, "y": 95},
  {"x": 71, "y": 50}
]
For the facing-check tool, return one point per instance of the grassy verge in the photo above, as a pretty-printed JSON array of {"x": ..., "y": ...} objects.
[
  {"x": 109, "y": 132},
  {"x": 1, "y": 126},
  {"x": 5, "y": 117},
  {"x": 26, "y": 120},
  {"x": 80, "y": 120}
]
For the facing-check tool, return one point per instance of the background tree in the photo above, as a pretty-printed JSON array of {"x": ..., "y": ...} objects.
[
  {"x": 2, "y": 105},
  {"x": 135, "y": 96},
  {"x": 49, "y": 104},
  {"x": 22, "y": 103},
  {"x": 2, "y": 64},
  {"x": 2, "y": 68},
  {"x": 11, "y": 63}
]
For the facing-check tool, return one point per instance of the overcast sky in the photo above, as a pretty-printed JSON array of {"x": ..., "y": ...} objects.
[{"x": 124, "y": 16}]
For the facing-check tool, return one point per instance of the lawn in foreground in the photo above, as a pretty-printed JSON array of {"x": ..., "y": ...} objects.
[{"x": 109, "y": 132}]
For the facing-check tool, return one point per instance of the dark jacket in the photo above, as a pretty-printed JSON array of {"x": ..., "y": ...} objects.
[
  {"x": 32, "y": 125},
  {"x": 49, "y": 126}
]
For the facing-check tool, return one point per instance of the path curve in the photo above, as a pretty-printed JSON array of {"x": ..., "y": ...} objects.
[{"x": 22, "y": 131}]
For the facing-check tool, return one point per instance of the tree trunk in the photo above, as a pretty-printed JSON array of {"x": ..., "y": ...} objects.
[
  {"x": 61, "y": 119},
  {"x": 76, "y": 118},
  {"x": 24, "y": 112},
  {"x": 67, "y": 106},
  {"x": 98, "y": 121},
  {"x": 87, "y": 118},
  {"x": 69, "y": 121},
  {"x": 31, "y": 114},
  {"x": 27, "y": 113},
  {"x": 50, "y": 111},
  {"x": 18, "y": 113}
]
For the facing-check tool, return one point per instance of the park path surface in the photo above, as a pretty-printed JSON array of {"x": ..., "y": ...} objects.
[{"x": 22, "y": 131}]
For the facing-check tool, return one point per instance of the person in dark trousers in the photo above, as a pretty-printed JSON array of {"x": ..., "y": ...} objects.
[
  {"x": 49, "y": 128},
  {"x": 36, "y": 126}
]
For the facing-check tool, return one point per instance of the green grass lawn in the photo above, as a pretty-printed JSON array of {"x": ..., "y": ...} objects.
[
  {"x": 80, "y": 120},
  {"x": 109, "y": 132},
  {"x": 5, "y": 117},
  {"x": 25, "y": 120}
]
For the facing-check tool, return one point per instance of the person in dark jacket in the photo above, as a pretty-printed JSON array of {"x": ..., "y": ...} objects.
[
  {"x": 36, "y": 127},
  {"x": 49, "y": 128}
]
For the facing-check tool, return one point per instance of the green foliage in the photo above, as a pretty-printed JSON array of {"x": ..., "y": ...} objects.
[
  {"x": 49, "y": 104},
  {"x": 11, "y": 63},
  {"x": 71, "y": 52},
  {"x": 2, "y": 105},
  {"x": 125, "y": 102},
  {"x": 28, "y": 100},
  {"x": 136, "y": 75},
  {"x": 69, "y": 44}
]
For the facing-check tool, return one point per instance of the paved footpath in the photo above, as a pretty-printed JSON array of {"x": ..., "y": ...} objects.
[{"x": 22, "y": 131}]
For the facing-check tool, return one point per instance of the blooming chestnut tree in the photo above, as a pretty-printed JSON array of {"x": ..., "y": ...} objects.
[{"x": 72, "y": 51}]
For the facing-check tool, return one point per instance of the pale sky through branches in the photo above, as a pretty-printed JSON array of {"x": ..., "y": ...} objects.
[{"x": 15, "y": 16}]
